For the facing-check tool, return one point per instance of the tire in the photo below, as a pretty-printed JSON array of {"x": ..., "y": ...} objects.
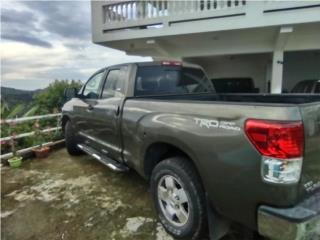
[
  {"x": 172, "y": 210},
  {"x": 71, "y": 140}
]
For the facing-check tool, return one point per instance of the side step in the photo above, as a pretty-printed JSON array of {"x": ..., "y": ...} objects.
[{"x": 110, "y": 163}]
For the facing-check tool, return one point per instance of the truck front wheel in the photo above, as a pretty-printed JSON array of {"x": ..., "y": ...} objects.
[
  {"x": 71, "y": 140},
  {"x": 179, "y": 198}
]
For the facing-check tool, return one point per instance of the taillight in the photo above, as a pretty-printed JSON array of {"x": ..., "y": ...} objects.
[
  {"x": 281, "y": 145},
  {"x": 276, "y": 139}
]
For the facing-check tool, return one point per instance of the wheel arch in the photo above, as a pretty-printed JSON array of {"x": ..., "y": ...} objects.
[
  {"x": 159, "y": 151},
  {"x": 64, "y": 120}
]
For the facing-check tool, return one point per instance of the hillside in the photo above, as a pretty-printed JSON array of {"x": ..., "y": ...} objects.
[
  {"x": 16, "y": 102},
  {"x": 12, "y": 96}
]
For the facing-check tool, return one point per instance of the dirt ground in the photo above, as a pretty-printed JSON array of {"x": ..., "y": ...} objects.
[{"x": 65, "y": 197}]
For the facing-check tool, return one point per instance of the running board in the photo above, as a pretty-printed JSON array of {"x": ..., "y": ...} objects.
[{"x": 110, "y": 163}]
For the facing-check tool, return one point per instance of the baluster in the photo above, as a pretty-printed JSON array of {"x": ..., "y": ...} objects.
[
  {"x": 151, "y": 9},
  {"x": 117, "y": 13},
  {"x": 124, "y": 8},
  {"x": 161, "y": 8},
  {"x": 114, "y": 16},
  {"x": 148, "y": 10},
  {"x": 106, "y": 14},
  {"x": 122, "y": 12},
  {"x": 168, "y": 7},
  {"x": 178, "y": 7},
  {"x": 110, "y": 14},
  {"x": 157, "y": 8},
  {"x": 222, "y": 3},
  {"x": 194, "y": 6},
  {"x": 139, "y": 8},
  {"x": 128, "y": 11},
  {"x": 188, "y": 6},
  {"x": 144, "y": 9},
  {"x": 172, "y": 5},
  {"x": 154, "y": 9},
  {"x": 132, "y": 10}
]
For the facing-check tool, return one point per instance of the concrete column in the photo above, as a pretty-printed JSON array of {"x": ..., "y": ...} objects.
[
  {"x": 277, "y": 61},
  {"x": 277, "y": 72}
]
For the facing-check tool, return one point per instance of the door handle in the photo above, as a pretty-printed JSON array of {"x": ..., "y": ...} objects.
[{"x": 117, "y": 111}]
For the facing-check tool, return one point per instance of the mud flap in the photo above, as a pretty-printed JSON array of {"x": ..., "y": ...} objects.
[{"x": 218, "y": 226}]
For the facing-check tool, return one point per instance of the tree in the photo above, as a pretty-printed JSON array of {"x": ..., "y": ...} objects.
[{"x": 52, "y": 98}]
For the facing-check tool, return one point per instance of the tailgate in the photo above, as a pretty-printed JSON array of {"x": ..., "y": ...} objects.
[{"x": 310, "y": 177}]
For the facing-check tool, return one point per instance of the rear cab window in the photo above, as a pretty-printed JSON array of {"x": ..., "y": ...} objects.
[{"x": 163, "y": 80}]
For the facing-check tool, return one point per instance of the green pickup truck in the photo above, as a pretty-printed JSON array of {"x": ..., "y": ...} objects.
[{"x": 213, "y": 160}]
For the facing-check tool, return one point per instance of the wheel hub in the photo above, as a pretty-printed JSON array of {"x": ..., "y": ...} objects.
[{"x": 173, "y": 200}]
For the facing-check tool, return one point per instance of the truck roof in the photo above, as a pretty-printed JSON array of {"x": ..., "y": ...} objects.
[{"x": 156, "y": 63}]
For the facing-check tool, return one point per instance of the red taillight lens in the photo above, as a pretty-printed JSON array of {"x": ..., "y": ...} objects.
[{"x": 282, "y": 140}]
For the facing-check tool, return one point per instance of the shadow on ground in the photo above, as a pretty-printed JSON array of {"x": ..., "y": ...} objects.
[{"x": 65, "y": 197}]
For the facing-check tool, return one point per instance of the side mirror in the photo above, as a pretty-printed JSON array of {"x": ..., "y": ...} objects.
[{"x": 70, "y": 93}]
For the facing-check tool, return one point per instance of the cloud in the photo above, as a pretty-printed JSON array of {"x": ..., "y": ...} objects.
[
  {"x": 44, "y": 41},
  {"x": 37, "y": 66},
  {"x": 21, "y": 26},
  {"x": 66, "y": 19}
]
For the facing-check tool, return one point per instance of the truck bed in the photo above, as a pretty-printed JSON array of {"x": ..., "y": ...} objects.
[{"x": 239, "y": 97}]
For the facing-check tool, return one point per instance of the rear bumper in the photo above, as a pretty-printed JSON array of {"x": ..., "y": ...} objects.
[{"x": 299, "y": 222}]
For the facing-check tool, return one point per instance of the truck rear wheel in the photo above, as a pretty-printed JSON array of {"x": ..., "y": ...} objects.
[
  {"x": 71, "y": 140},
  {"x": 179, "y": 198}
]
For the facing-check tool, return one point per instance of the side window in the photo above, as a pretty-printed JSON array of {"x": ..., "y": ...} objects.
[
  {"x": 91, "y": 89},
  {"x": 115, "y": 83}
]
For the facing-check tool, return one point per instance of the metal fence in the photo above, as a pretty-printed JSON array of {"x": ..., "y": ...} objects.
[{"x": 28, "y": 134}]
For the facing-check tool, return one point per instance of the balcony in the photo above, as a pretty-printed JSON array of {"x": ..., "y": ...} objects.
[{"x": 155, "y": 27}]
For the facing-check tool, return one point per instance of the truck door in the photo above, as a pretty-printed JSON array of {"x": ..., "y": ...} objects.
[
  {"x": 107, "y": 112},
  {"x": 89, "y": 94}
]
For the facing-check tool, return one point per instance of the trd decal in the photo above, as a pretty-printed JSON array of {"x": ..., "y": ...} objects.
[{"x": 211, "y": 123}]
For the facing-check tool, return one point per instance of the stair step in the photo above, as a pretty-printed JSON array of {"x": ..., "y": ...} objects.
[{"x": 110, "y": 163}]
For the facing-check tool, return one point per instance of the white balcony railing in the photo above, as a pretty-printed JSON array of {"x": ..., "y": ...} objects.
[{"x": 126, "y": 14}]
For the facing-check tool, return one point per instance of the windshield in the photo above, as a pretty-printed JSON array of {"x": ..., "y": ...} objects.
[{"x": 161, "y": 80}]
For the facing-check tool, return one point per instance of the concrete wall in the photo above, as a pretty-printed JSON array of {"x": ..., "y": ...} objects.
[
  {"x": 254, "y": 66},
  {"x": 300, "y": 66}
]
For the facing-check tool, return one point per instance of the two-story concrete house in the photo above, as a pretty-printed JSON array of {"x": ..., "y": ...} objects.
[{"x": 276, "y": 43}]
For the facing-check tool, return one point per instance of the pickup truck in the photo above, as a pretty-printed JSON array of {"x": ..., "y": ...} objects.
[
  {"x": 213, "y": 161},
  {"x": 234, "y": 85}
]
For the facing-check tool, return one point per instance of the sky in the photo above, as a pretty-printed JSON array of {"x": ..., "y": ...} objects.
[{"x": 46, "y": 40}]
